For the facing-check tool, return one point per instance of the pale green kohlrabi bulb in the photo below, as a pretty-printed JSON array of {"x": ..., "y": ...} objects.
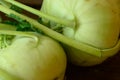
[
  {"x": 97, "y": 25},
  {"x": 31, "y": 59}
]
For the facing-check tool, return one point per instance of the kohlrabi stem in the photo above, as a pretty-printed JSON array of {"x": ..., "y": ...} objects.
[
  {"x": 6, "y": 4},
  {"x": 3, "y": 38},
  {"x": 19, "y": 33},
  {"x": 3, "y": 42},
  {"x": 67, "y": 23},
  {"x": 7, "y": 27},
  {"x": 68, "y": 41}
]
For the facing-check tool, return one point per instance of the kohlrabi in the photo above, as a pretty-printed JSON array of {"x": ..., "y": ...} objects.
[
  {"x": 30, "y": 56},
  {"x": 90, "y": 28},
  {"x": 97, "y": 24}
]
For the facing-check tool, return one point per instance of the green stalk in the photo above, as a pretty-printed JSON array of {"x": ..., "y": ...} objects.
[
  {"x": 11, "y": 30},
  {"x": 19, "y": 33},
  {"x": 68, "y": 41},
  {"x": 6, "y": 4},
  {"x": 40, "y": 14},
  {"x": 3, "y": 38},
  {"x": 7, "y": 27}
]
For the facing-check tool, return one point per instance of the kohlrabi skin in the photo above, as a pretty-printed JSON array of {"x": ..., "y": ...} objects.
[
  {"x": 97, "y": 24},
  {"x": 118, "y": 2},
  {"x": 32, "y": 57},
  {"x": 6, "y": 76}
]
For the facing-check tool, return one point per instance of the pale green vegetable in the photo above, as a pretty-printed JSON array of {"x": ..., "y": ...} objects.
[
  {"x": 31, "y": 56},
  {"x": 68, "y": 41},
  {"x": 90, "y": 27},
  {"x": 97, "y": 24}
]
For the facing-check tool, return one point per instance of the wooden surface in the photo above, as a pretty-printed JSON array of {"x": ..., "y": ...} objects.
[{"x": 108, "y": 70}]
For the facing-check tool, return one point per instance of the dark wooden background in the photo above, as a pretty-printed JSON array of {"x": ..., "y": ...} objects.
[{"x": 108, "y": 70}]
